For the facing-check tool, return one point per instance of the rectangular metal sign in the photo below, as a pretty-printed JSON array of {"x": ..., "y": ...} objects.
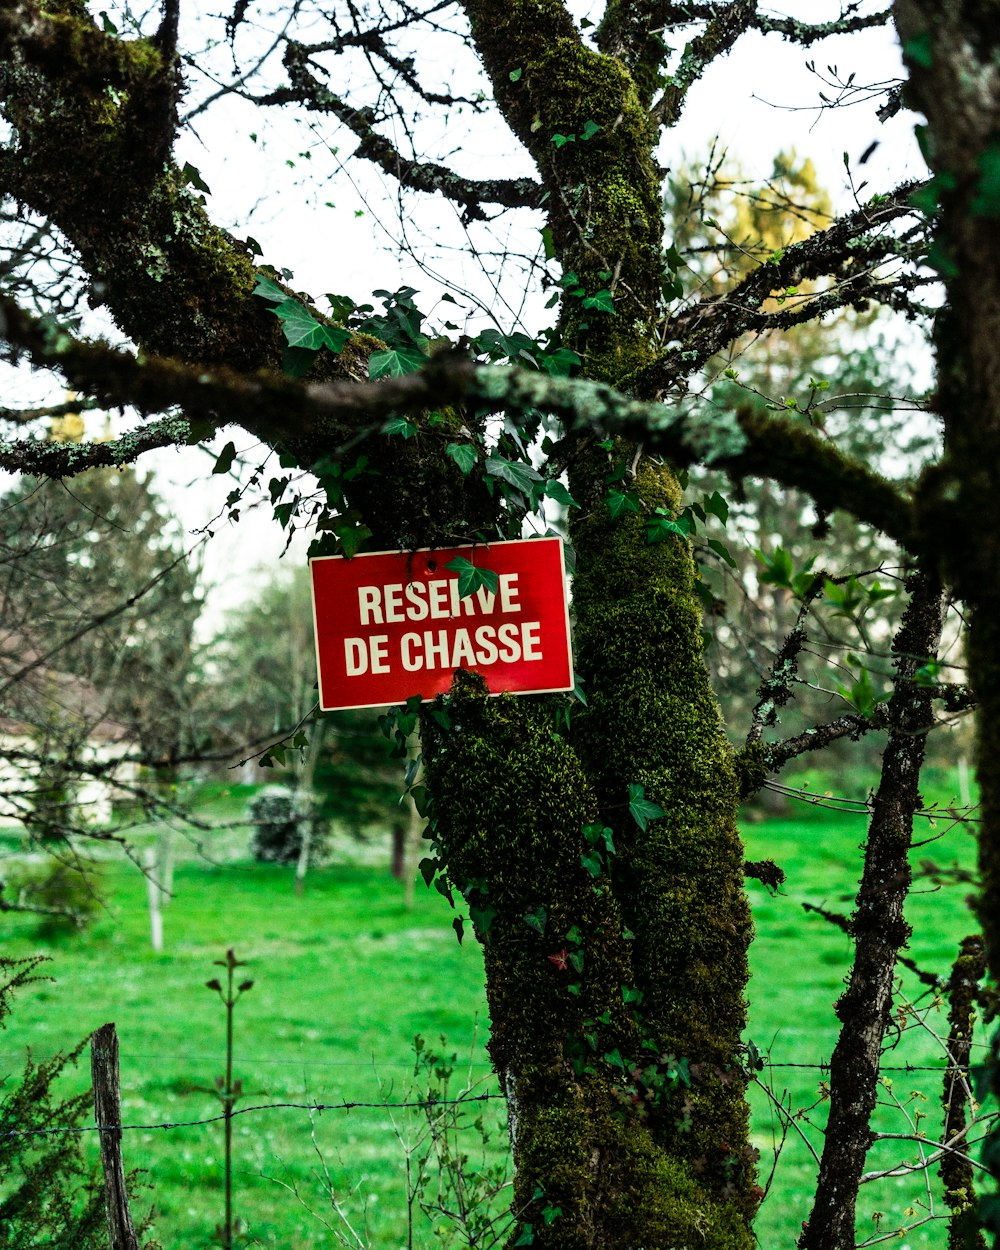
[{"x": 392, "y": 624}]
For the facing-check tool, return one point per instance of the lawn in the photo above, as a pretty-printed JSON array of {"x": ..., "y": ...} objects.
[{"x": 346, "y": 975}]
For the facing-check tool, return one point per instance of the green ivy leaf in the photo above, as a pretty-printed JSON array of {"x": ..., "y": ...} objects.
[
  {"x": 395, "y": 362},
  {"x": 717, "y": 506},
  {"x": 555, "y": 490},
  {"x": 515, "y": 75},
  {"x": 269, "y": 290},
  {"x": 590, "y": 128},
  {"x": 591, "y": 861},
  {"x": 335, "y": 338},
  {"x": 482, "y": 918},
  {"x": 225, "y": 460},
  {"x": 341, "y": 306},
  {"x": 299, "y": 325},
  {"x": 515, "y": 472},
  {"x": 471, "y": 578},
  {"x": 464, "y": 455},
  {"x": 560, "y": 363},
  {"x": 722, "y": 551},
  {"x": 192, "y": 176},
  {"x": 600, "y": 301},
  {"x": 561, "y": 140},
  {"x": 352, "y": 537},
  {"x": 620, "y": 501},
  {"x": 641, "y": 809},
  {"x": 297, "y": 361},
  {"x": 660, "y": 527},
  {"x": 536, "y": 919},
  {"x": 399, "y": 425}
]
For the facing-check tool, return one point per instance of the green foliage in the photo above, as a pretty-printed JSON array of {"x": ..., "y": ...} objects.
[
  {"x": 65, "y": 894},
  {"x": 861, "y": 693},
  {"x": 780, "y": 571},
  {"x": 472, "y": 577},
  {"x": 641, "y": 809},
  {"x": 461, "y": 1171},
  {"x": 48, "y": 1196},
  {"x": 282, "y": 820},
  {"x": 464, "y": 455},
  {"x": 393, "y": 363}
]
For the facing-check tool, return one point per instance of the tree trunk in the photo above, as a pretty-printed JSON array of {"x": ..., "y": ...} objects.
[
  {"x": 879, "y": 930},
  {"x": 952, "y": 53}
]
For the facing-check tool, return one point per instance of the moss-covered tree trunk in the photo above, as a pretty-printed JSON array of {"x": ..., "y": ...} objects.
[{"x": 615, "y": 1027}]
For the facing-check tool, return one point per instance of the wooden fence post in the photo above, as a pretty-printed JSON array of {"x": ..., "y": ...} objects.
[{"x": 108, "y": 1115}]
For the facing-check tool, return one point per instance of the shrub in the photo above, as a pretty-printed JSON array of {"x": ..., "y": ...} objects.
[
  {"x": 65, "y": 895},
  {"x": 48, "y": 1195},
  {"x": 281, "y": 819}
]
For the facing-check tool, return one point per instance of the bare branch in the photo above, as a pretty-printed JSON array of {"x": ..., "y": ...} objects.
[{"x": 427, "y": 176}]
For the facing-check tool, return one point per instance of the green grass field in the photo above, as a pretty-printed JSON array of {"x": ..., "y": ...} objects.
[{"x": 345, "y": 976}]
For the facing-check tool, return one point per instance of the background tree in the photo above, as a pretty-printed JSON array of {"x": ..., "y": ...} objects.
[
  {"x": 262, "y": 667},
  {"x": 595, "y": 846},
  {"x": 98, "y": 582},
  {"x": 98, "y": 606}
]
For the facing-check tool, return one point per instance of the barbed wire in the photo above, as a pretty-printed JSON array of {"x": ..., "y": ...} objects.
[
  {"x": 421, "y": 1103},
  {"x": 413, "y": 1104}
]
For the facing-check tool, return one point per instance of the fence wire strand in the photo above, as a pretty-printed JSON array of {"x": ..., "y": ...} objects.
[{"x": 415, "y": 1104}]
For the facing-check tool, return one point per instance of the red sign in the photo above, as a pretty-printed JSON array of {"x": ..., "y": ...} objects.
[{"x": 392, "y": 624}]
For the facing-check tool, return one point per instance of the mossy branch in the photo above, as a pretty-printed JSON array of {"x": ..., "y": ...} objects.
[
  {"x": 957, "y": 1173},
  {"x": 721, "y": 32},
  {"x": 273, "y": 407},
  {"x": 672, "y": 14},
  {"x": 849, "y": 251}
]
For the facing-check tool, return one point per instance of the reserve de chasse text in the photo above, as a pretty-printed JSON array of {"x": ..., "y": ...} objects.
[{"x": 472, "y": 646}]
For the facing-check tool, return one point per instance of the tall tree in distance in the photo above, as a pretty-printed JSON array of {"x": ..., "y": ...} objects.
[{"x": 97, "y": 610}]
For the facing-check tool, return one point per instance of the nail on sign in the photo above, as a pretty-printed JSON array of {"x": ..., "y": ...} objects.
[{"x": 392, "y": 624}]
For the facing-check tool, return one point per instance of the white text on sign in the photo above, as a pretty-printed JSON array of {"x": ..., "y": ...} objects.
[{"x": 430, "y": 649}]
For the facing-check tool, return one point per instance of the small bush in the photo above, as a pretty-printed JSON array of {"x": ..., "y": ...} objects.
[
  {"x": 281, "y": 818},
  {"x": 49, "y": 1195},
  {"x": 65, "y": 895}
]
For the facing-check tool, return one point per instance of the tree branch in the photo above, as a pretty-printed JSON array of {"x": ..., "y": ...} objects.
[
  {"x": 425, "y": 176},
  {"x": 956, "y": 1169},
  {"x": 720, "y": 33},
  {"x": 878, "y": 929},
  {"x": 852, "y": 725},
  {"x": 848, "y": 250},
  {"x": 269, "y": 406}
]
